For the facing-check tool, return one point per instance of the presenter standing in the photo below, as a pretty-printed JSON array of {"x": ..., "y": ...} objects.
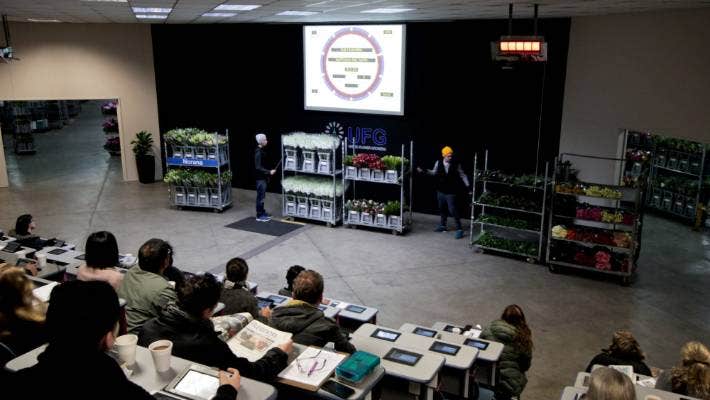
[
  {"x": 262, "y": 177},
  {"x": 449, "y": 175}
]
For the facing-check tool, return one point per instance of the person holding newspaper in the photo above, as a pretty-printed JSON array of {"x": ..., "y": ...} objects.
[{"x": 189, "y": 327}]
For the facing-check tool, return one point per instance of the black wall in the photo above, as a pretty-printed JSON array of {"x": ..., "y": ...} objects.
[{"x": 249, "y": 78}]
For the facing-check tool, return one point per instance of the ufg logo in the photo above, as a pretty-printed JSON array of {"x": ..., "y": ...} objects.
[{"x": 360, "y": 138}]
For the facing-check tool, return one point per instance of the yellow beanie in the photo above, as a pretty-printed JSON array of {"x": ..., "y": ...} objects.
[{"x": 446, "y": 151}]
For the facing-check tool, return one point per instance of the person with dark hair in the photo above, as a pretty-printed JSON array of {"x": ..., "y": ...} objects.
[
  {"x": 291, "y": 275},
  {"x": 513, "y": 332},
  {"x": 449, "y": 176},
  {"x": 236, "y": 295},
  {"x": 624, "y": 350},
  {"x": 101, "y": 260},
  {"x": 21, "y": 315},
  {"x": 144, "y": 287},
  {"x": 262, "y": 175},
  {"x": 304, "y": 320},
  {"x": 24, "y": 233},
  {"x": 189, "y": 327}
]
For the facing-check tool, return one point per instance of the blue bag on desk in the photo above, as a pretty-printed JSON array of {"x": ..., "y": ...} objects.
[{"x": 357, "y": 366}]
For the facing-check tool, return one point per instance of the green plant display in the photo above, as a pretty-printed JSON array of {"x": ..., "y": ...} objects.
[
  {"x": 508, "y": 201},
  {"x": 197, "y": 178},
  {"x": 193, "y": 137},
  {"x": 392, "y": 208},
  {"x": 516, "y": 246},
  {"x": 348, "y": 161},
  {"x": 143, "y": 144},
  {"x": 394, "y": 162},
  {"x": 511, "y": 222}
]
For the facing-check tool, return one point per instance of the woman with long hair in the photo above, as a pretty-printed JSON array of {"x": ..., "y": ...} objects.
[
  {"x": 513, "y": 332},
  {"x": 692, "y": 375},
  {"x": 624, "y": 350},
  {"x": 21, "y": 315},
  {"x": 609, "y": 384}
]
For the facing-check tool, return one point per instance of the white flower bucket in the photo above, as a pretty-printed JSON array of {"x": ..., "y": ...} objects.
[
  {"x": 391, "y": 176},
  {"x": 381, "y": 220},
  {"x": 378, "y": 175},
  {"x": 350, "y": 172},
  {"x": 363, "y": 174}
]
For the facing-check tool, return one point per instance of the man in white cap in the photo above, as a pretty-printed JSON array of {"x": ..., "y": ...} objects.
[{"x": 262, "y": 176}]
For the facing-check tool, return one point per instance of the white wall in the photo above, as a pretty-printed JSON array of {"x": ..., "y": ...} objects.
[
  {"x": 647, "y": 72},
  {"x": 87, "y": 61}
]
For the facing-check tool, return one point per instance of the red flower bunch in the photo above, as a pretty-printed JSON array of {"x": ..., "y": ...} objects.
[
  {"x": 366, "y": 160},
  {"x": 602, "y": 260}
]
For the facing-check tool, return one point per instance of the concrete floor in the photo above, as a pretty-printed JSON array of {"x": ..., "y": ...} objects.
[{"x": 73, "y": 188}]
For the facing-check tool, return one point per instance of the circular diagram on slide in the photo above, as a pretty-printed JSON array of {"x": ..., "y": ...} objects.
[{"x": 352, "y": 64}]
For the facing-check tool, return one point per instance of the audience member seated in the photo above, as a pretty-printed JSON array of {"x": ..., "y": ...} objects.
[
  {"x": 609, "y": 384},
  {"x": 82, "y": 321},
  {"x": 144, "y": 288},
  {"x": 513, "y": 332},
  {"x": 101, "y": 260},
  {"x": 24, "y": 233},
  {"x": 624, "y": 350},
  {"x": 692, "y": 375},
  {"x": 189, "y": 327},
  {"x": 290, "y": 276},
  {"x": 21, "y": 315},
  {"x": 236, "y": 295},
  {"x": 304, "y": 320}
]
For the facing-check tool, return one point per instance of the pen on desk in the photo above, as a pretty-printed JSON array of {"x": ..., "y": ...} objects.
[{"x": 313, "y": 367}]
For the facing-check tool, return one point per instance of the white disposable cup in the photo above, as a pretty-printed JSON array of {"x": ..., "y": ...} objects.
[
  {"x": 41, "y": 260},
  {"x": 161, "y": 351},
  {"x": 126, "y": 348},
  {"x": 651, "y": 397}
]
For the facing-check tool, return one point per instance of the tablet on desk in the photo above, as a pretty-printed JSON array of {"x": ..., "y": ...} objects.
[
  {"x": 11, "y": 247},
  {"x": 276, "y": 299},
  {"x": 445, "y": 348},
  {"x": 196, "y": 382},
  {"x": 57, "y": 252},
  {"x": 338, "y": 389},
  {"x": 355, "y": 309},
  {"x": 424, "y": 332},
  {"x": 450, "y": 328},
  {"x": 81, "y": 257},
  {"x": 479, "y": 344},
  {"x": 384, "y": 334},
  {"x": 262, "y": 302},
  {"x": 402, "y": 357}
]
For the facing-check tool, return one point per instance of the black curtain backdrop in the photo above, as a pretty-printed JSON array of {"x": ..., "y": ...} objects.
[{"x": 248, "y": 78}]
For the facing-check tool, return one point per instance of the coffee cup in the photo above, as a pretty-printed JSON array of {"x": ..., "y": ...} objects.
[
  {"x": 161, "y": 351},
  {"x": 126, "y": 348},
  {"x": 651, "y": 397},
  {"x": 41, "y": 260}
]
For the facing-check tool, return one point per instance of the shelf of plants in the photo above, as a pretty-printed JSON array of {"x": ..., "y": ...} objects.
[
  {"x": 509, "y": 211},
  {"x": 365, "y": 168},
  {"x": 677, "y": 177},
  {"x": 198, "y": 169},
  {"x": 310, "y": 178},
  {"x": 594, "y": 226},
  {"x": 110, "y": 127}
]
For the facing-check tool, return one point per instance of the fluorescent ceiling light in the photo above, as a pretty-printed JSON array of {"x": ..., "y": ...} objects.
[
  {"x": 108, "y": 1},
  {"x": 151, "y": 10},
  {"x": 387, "y": 10},
  {"x": 213, "y": 14},
  {"x": 236, "y": 7},
  {"x": 297, "y": 13},
  {"x": 42, "y": 20},
  {"x": 151, "y": 16}
]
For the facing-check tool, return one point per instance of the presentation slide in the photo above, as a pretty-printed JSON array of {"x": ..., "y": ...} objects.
[{"x": 354, "y": 68}]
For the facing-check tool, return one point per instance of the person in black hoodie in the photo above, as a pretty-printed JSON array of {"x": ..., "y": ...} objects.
[
  {"x": 189, "y": 327},
  {"x": 449, "y": 175},
  {"x": 262, "y": 175},
  {"x": 304, "y": 320},
  {"x": 624, "y": 350},
  {"x": 236, "y": 295}
]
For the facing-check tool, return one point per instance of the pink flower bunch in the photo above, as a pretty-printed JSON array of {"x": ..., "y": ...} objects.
[
  {"x": 591, "y": 213},
  {"x": 602, "y": 261},
  {"x": 110, "y": 125},
  {"x": 366, "y": 160}
]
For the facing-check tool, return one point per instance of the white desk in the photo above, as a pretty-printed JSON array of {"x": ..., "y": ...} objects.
[
  {"x": 355, "y": 316},
  {"x": 574, "y": 393},
  {"x": 330, "y": 312},
  {"x": 422, "y": 375},
  {"x": 145, "y": 375}
]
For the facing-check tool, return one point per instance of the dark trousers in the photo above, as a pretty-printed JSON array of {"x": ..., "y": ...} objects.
[
  {"x": 447, "y": 205},
  {"x": 260, "y": 196}
]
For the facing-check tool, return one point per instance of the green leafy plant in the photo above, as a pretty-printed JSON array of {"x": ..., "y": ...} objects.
[
  {"x": 516, "y": 246},
  {"x": 348, "y": 161},
  {"x": 143, "y": 144},
  {"x": 392, "y": 208}
]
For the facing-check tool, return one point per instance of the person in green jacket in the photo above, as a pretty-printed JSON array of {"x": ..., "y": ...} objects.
[{"x": 513, "y": 332}]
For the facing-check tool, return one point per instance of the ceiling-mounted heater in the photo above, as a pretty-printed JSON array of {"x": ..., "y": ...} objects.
[
  {"x": 519, "y": 48},
  {"x": 6, "y": 52}
]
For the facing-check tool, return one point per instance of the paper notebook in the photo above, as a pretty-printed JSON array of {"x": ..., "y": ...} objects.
[{"x": 311, "y": 368}]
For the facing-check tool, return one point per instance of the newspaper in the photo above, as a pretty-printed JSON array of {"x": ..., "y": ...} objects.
[
  {"x": 255, "y": 340},
  {"x": 227, "y": 326}
]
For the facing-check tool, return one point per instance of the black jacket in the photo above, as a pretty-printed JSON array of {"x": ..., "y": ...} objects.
[
  {"x": 238, "y": 299},
  {"x": 261, "y": 172},
  {"x": 24, "y": 336},
  {"x": 74, "y": 374},
  {"x": 195, "y": 340},
  {"x": 607, "y": 359},
  {"x": 448, "y": 182},
  {"x": 309, "y": 326}
]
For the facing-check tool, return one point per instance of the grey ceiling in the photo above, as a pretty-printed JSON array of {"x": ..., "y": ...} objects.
[{"x": 190, "y": 11}]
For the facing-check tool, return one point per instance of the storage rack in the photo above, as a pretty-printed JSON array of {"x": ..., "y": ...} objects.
[
  {"x": 402, "y": 179},
  {"x": 111, "y": 136},
  {"x": 535, "y": 218},
  {"x": 313, "y": 162},
  {"x": 214, "y": 158},
  {"x": 621, "y": 260}
]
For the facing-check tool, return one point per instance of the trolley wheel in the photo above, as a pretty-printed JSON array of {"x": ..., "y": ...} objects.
[
  {"x": 531, "y": 260},
  {"x": 217, "y": 210},
  {"x": 625, "y": 281},
  {"x": 178, "y": 207},
  {"x": 329, "y": 225},
  {"x": 395, "y": 232},
  {"x": 552, "y": 268}
]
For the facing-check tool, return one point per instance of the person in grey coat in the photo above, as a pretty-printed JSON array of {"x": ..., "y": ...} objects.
[{"x": 513, "y": 332}]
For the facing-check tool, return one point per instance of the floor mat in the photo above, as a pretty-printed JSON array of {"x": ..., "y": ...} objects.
[{"x": 273, "y": 227}]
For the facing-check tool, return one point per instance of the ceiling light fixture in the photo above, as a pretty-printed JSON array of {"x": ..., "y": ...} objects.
[
  {"x": 139, "y": 10},
  {"x": 519, "y": 48},
  {"x": 42, "y": 20},
  {"x": 297, "y": 13},
  {"x": 236, "y": 7},
  {"x": 214, "y": 14},
  {"x": 387, "y": 10},
  {"x": 151, "y": 16},
  {"x": 106, "y": 1}
]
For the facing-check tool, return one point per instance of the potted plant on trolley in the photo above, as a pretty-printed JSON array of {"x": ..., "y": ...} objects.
[{"x": 145, "y": 160}]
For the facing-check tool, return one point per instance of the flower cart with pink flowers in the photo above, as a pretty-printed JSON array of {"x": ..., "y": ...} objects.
[
  {"x": 594, "y": 226},
  {"x": 392, "y": 179}
]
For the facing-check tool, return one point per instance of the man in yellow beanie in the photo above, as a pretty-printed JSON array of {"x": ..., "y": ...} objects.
[{"x": 449, "y": 175}]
